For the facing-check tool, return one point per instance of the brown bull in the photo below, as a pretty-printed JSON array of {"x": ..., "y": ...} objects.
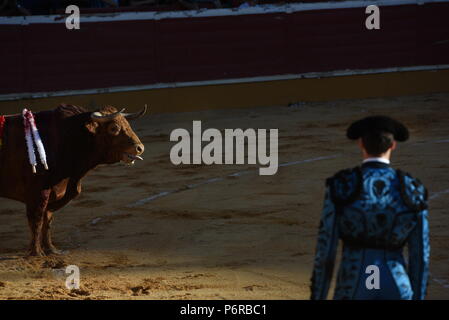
[{"x": 76, "y": 141}]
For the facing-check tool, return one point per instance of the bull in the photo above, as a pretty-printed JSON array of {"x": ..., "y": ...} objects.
[{"x": 76, "y": 141}]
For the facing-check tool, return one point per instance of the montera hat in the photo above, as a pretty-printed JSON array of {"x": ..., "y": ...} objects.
[{"x": 377, "y": 124}]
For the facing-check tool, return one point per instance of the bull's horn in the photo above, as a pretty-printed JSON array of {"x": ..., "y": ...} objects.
[
  {"x": 97, "y": 116},
  {"x": 133, "y": 116}
]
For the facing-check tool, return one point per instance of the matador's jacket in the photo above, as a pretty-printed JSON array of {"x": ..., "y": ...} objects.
[{"x": 375, "y": 210}]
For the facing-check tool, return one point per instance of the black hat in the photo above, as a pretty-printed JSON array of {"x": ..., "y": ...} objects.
[{"x": 377, "y": 124}]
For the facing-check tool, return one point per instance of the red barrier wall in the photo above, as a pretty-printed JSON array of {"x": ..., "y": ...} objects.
[{"x": 48, "y": 57}]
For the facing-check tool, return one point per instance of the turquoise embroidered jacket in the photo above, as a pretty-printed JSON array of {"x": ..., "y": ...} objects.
[{"x": 373, "y": 208}]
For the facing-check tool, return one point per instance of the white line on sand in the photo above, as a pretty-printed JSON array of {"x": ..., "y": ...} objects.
[
  {"x": 431, "y": 141},
  {"x": 444, "y": 283},
  {"x": 153, "y": 197},
  {"x": 439, "y": 193},
  {"x": 145, "y": 200},
  {"x": 212, "y": 180}
]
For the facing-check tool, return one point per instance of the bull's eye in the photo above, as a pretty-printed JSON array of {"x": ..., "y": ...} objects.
[{"x": 114, "y": 129}]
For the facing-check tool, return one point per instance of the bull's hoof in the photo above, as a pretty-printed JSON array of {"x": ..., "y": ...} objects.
[
  {"x": 53, "y": 251},
  {"x": 36, "y": 253}
]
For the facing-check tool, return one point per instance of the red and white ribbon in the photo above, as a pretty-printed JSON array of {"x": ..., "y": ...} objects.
[{"x": 30, "y": 133}]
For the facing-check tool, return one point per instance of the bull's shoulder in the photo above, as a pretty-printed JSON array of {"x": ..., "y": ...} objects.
[{"x": 345, "y": 185}]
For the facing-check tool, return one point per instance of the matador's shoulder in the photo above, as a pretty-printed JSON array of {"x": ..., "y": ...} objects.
[
  {"x": 413, "y": 191},
  {"x": 345, "y": 186}
]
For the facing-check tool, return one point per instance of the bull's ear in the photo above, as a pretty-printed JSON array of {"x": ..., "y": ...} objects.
[{"x": 92, "y": 126}]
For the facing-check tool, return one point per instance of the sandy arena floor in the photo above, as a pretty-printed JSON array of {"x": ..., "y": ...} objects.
[{"x": 242, "y": 237}]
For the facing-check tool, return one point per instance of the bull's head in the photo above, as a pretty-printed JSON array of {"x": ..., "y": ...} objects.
[{"x": 115, "y": 136}]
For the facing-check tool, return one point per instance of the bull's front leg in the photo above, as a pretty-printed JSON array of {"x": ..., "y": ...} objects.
[
  {"x": 72, "y": 191},
  {"x": 47, "y": 243},
  {"x": 36, "y": 209}
]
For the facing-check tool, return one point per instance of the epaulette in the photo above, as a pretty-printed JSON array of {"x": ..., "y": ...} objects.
[
  {"x": 345, "y": 186},
  {"x": 413, "y": 191}
]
